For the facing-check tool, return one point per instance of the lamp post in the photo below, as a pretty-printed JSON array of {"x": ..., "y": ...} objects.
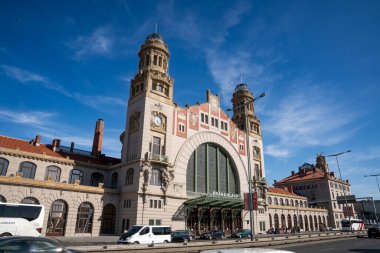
[
  {"x": 340, "y": 175},
  {"x": 246, "y": 128},
  {"x": 378, "y": 186}
]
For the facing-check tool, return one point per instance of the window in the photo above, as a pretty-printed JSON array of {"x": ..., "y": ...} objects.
[
  {"x": 275, "y": 201},
  {"x": 53, "y": 172},
  {"x": 156, "y": 177},
  {"x": 127, "y": 203},
  {"x": 30, "y": 200},
  {"x": 281, "y": 202},
  {"x": 114, "y": 180},
  {"x": 257, "y": 171},
  {"x": 155, "y": 60},
  {"x": 160, "y": 61},
  {"x": 241, "y": 146},
  {"x": 84, "y": 218},
  {"x": 96, "y": 178},
  {"x": 147, "y": 60},
  {"x": 181, "y": 128},
  {"x": 262, "y": 226},
  {"x": 156, "y": 145},
  {"x": 204, "y": 118},
  {"x": 76, "y": 175},
  {"x": 129, "y": 177},
  {"x": 214, "y": 122},
  {"x": 154, "y": 203},
  {"x": 269, "y": 201},
  {"x": 223, "y": 125},
  {"x": 3, "y": 166},
  {"x": 27, "y": 169}
]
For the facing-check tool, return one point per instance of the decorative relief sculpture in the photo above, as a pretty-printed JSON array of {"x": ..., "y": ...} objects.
[
  {"x": 134, "y": 122},
  {"x": 256, "y": 153},
  {"x": 158, "y": 122},
  {"x": 146, "y": 167}
]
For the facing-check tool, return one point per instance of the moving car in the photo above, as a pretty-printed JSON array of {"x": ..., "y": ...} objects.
[
  {"x": 181, "y": 236},
  {"x": 374, "y": 231},
  {"x": 146, "y": 234},
  {"x": 23, "y": 244},
  {"x": 241, "y": 233},
  {"x": 216, "y": 234}
]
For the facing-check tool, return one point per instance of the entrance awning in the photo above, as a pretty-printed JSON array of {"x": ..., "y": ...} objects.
[{"x": 215, "y": 201}]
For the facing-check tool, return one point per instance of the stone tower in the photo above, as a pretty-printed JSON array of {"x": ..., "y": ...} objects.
[{"x": 241, "y": 96}]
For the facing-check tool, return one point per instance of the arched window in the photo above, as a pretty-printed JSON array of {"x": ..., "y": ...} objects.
[
  {"x": 300, "y": 220},
  {"x": 108, "y": 219},
  {"x": 306, "y": 224},
  {"x": 275, "y": 201},
  {"x": 301, "y": 203},
  {"x": 3, "y": 166},
  {"x": 270, "y": 221},
  {"x": 53, "y": 172},
  {"x": 283, "y": 221},
  {"x": 286, "y": 202},
  {"x": 114, "y": 180},
  {"x": 96, "y": 178},
  {"x": 30, "y": 200},
  {"x": 276, "y": 221},
  {"x": 311, "y": 223},
  {"x": 281, "y": 202},
  {"x": 84, "y": 218},
  {"x": 76, "y": 175},
  {"x": 269, "y": 201},
  {"x": 289, "y": 221},
  {"x": 27, "y": 169},
  {"x": 315, "y": 222},
  {"x": 3, "y": 199},
  {"x": 210, "y": 165},
  {"x": 129, "y": 177},
  {"x": 291, "y": 202},
  {"x": 295, "y": 222},
  {"x": 296, "y": 202},
  {"x": 57, "y": 219},
  {"x": 156, "y": 178}
]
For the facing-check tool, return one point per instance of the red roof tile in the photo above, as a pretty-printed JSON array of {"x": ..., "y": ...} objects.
[
  {"x": 282, "y": 191},
  {"x": 22, "y": 145},
  {"x": 308, "y": 175}
]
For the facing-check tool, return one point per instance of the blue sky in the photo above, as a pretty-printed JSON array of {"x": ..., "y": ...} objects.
[{"x": 64, "y": 64}]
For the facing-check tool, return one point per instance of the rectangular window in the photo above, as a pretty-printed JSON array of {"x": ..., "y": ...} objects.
[
  {"x": 202, "y": 118},
  {"x": 156, "y": 145},
  {"x": 147, "y": 62},
  {"x": 151, "y": 203},
  {"x": 156, "y": 177},
  {"x": 181, "y": 128},
  {"x": 212, "y": 122},
  {"x": 159, "y": 204},
  {"x": 155, "y": 203},
  {"x": 160, "y": 61},
  {"x": 158, "y": 222},
  {"x": 123, "y": 226},
  {"x": 125, "y": 203},
  {"x": 155, "y": 60},
  {"x": 151, "y": 222},
  {"x": 206, "y": 119},
  {"x": 241, "y": 147},
  {"x": 216, "y": 123}
]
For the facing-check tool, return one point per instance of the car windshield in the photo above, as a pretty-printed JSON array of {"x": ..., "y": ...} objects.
[{"x": 134, "y": 229}]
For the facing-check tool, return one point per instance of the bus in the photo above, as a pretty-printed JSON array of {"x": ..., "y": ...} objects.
[
  {"x": 356, "y": 225},
  {"x": 21, "y": 219}
]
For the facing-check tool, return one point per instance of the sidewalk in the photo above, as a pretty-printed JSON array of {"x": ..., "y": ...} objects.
[{"x": 86, "y": 240}]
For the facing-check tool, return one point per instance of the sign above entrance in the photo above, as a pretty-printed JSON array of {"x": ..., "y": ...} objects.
[{"x": 224, "y": 194}]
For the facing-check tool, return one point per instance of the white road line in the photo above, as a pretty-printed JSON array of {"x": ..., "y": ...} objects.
[{"x": 326, "y": 249}]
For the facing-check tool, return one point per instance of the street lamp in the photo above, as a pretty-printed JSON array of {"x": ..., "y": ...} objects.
[
  {"x": 246, "y": 128},
  {"x": 378, "y": 186},
  {"x": 340, "y": 175}
]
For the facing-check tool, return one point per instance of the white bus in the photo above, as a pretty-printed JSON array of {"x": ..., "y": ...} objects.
[
  {"x": 21, "y": 219},
  {"x": 355, "y": 225}
]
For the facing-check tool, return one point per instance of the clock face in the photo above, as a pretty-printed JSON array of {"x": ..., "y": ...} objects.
[{"x": 157, "y": 121}]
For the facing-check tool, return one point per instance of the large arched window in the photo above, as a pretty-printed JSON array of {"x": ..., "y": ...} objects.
[
  {"x": 84, "y": 218},
  {"x": 211, "y": 169},
  {"x": 3, "y": 166},
  {"x": 129, "y": 177},
  {"x": 53, "y": 172},
  {"x": 27, "y": 169},
  {"x": 97, "y": 178},
  {"x": 76, "y": 175},
  {"x": 114, "y": 180},
  {"x": 57, "y": 219},
  {"x": 269, "y": 201},
  {"x": 3, "y": 199}
]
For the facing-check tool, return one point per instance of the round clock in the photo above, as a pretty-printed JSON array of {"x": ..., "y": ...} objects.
[{"x": 157, "y": 121}]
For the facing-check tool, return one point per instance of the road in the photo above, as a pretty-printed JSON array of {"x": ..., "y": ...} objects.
[{"x": 352, "y": 245}]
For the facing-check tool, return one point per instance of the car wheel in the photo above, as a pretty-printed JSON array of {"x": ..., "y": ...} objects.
[
  {"x": 5, "y": 234},
  {"x": 165, "y": 241},
  {"x": 136, "y": 242}
]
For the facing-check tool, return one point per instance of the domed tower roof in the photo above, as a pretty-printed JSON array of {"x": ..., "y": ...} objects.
[
  {"x": 242, "y": 86},
  {"x": 154, "y": 36}
]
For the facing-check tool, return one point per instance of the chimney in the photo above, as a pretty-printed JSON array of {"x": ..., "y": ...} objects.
[
  {"x": 37, "y": 141},
  {"x": 322, "y": 164},
  {"x": 293, "y": 173},
  {"x": 98, "y": 138},
  {"x": 56, "y": 144},
  {"x": 72, "y": 147}
]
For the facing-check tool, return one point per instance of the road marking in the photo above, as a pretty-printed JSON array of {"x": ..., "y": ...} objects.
[{"x": 326, "y": 249}]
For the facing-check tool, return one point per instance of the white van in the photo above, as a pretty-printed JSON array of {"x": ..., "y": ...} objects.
[
  {"x": 146, "y": 234},
  {"x": 17, "y": 226}
]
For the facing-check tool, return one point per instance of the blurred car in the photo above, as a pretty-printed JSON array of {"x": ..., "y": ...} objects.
[
  {"x": 241, "y": 233},
  {"x": 23, "y": 244},
  {"x": 216, "y": 234},
  {"x": 374, "y": 231},
  {"x": 181, "y": 236}
]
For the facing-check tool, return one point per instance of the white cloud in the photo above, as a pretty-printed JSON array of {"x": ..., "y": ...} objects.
[
  {"x": 101, "y": 103},
  {"x": 276, "y": 151},
  {"x": 23, "y": 76},
  {"x": 30, "y": 118},
  {"x": 100, "y": 42}
]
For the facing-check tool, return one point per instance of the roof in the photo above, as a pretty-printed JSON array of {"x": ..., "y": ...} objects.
[
  {"x": 26, "y": 146},
  {"x": 306, "y": 176},
  {"x": 101, "y": 160},
  {"x": 282, "y": 191}
]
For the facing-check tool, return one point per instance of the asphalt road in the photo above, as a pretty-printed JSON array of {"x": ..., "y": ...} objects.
[{"x": 352, "y": 245}]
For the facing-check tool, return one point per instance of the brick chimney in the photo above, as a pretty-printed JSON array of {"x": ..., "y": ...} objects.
[
  {"x": 37, "y": 141},
  {"x": 98, "y": 138},
  {"x": 72, "y": 147},
  {"x": 56, "y": 144},
  {"x": 293, "y": 173}
]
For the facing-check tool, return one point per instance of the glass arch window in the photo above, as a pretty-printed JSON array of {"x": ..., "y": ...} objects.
[
  {"x": 3, "y": 166},
  {"x": 281, "y": 202},
  {"x": 211, "y": 169},
  {"x": 30, "y": 200},
  {"x": 53, "y": 172},
  {"x": 27, "y": 169},
  {"x": 129, "y": 177},
  {"x": 96, "y": 179},
  {"x": 76, "y": 175},
  {"x": 275, "y": 201},
  {"x": 84, "y": 218}
]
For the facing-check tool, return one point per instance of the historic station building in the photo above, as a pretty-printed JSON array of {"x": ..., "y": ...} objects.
[{"x": 186, "y": 167}]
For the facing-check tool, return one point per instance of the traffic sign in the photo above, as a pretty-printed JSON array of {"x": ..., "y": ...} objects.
[{"x": 346, "y": 199}]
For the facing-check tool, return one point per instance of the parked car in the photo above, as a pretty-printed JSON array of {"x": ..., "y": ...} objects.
[
  {"x": 374, "y": 231},
  {"x": 241, "y": 233},
  {"x": 181, "y": 236},
  {"x": 216, "y": 234},
  {"x": 23, "y": 244}
]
